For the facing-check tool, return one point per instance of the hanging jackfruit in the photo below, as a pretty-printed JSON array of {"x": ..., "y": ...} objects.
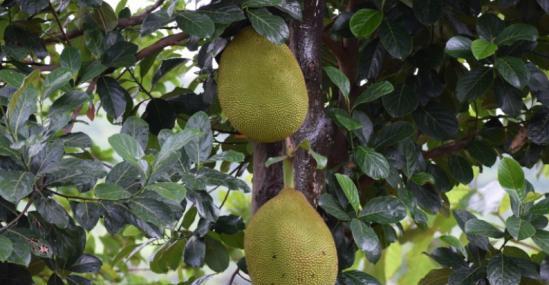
[
  {"x": 288, "y": 243},
  {"x": 261, "y": 88}
]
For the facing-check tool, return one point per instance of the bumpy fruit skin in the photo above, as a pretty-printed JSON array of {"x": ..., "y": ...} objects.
[
  {"x": 288, "y": 243},
  {"x": 261, "y": 88}
]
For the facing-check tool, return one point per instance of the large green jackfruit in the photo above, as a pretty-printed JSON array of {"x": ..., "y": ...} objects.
[
  {"x": 288, "y": 243},
  {"x": 261, "y": 88}
]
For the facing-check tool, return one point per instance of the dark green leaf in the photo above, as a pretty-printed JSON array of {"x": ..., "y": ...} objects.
[
  {"x": 474, "y": 84},
  {"x": 268, "y": 25},
  {"x": 372, "y": 163},
  {"x": 345, "y": 120},
  {"x": 120, "y": 54},
  {"x": 260, "y": 3},
  {"x": 365, "y": 21},
  {"x": 538, "y": 127},
  {"x": 502, "y": 271},
  {"x": 513, "y": 70},
  {"x": 459, "y": 47},
  {"x": 32, "y": 7},
  {"x": 200, "y": 147},
  {"x": 509, "y": 98},
  {"x": 6, "y": 248},
  {"x": 375, "y": 91},
  {"x": 159, "y": 114},
  {"x": 11, "y": 77},
  {"x": 224, "y": 14},
  {"x": 339, "y": 79},
  {"x": 403, "y": 101},
  {"x": 56, "y": 79},
  {"x": 105, "y": 17},
  {"x": 383, "y": 210},
  {"x": 482, "y": 228},
  {"x": 393, "y": 133},
  {"x": 154, "y": 21},
  {"x": 428, "y": 11},
  {"x": 436, "y": 121},
  {"x": 195, "y": 252},
  {"x": 112, "y": 95},
  {"x": 137, "y": 129},
  {"x": 350, "y": 190},
  {"x": 436, "y": 277},
  {"x": 86, "y": 264},
  {"x": 395, "y": 39},
  {"x": 70, "y": 59},
  {"x": 482, "y": 152},
  {"x": 357, "y": 278},
  {"x": 217, "y": 257},
  {"x": 329, "y": 204},
  {"x": 489, "y": 26},
  {"x": 460, "y": 169},
  {"x": 22, "y": 104},
  {"x": 195, "y": 23},
  {"x": 169, "y": 190},
  {"x": 166, "y": 66},
  {"x": 87, "y": 214},
  {"x": 21, "y": 253},
  {"x": 519, "y": 229},
  {"x": 292, "y": 8},
  {"x": 366, "y": 239},
  {"x": 15, "y": 185},
  {"x": 516, "y": 32},
  {"x": 52, "y": 212},
  {"x": 92, "y": 70},
  {"x": 151, "y": 211},
  {"x": 109, "y": 191},
  {"x": 510, "y": 175},
  {"x": 75, "y": 172},
  {"x": 482, "y": 48},
  {"x": 541, "y": 238},
  {"x": 129, "y": 149},
  {"x": 69, "y": 101}
]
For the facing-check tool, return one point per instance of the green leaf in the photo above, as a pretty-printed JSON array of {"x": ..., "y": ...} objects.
[
  {"x": 344, "y": 119},
  {"x": 365, "y": 21},
  {"x": 428, "y": 11},
  {"x": 482, "y": 228},
  {"x": 321, "y": 161},
  {"x": 169, "y": 190},
  {"x": 511, "y": 176},
  {"x": 374, "y": 92},
  {"x": 168, "y": 257},
  {"x": 482, "y": 48},
  {"x": 229, "y": 155},
  {"x": 482, "y": 152},
  {"x": 366, "y": 239},
  {"x": 70, "y": 59},
  {"x": 22, "y": 104},
  {"x": 395, "y": 39},
  {"x": 112, "y": 95},
  {"x": 354, "y": 277},
  {"x": 372, "y": 163},
  {"x": 502, "y": 271},
  {"x": 121, "y": 54},
  {"x": 516, "y": 32},
  {"x": 403, "y": 101},
  {"x": 109, "y": 191},
  {"x": 6, "y": 248},
  {"x": 105, "y": 17},
  {"x": 383, "y": 210},
  {"x": 339, "y": 79},
  {"x": 129, "y": 149},
  {"x": 260, "y": 3},
  {"x": 195, "y": 252},
  {"x": 454, "y": 242},
  {"x": 15, "y": 185},
  {"x": 76, "y": 172},
  {"x": 224, "y": 13},
  {"x": 460, "y": 169},
  {"x": 458, "y": 47},
  {"x": 92, "y": 70},
  {"x": 541, "y": 238},
  {"x": 329, "y": 204},
  {"x": 422, "y": 178},
  {"x": 350, "y": 190},
  {"x": 11, "y": 77},
  {"x": 513, "y": 70},
  {"x": 217, "y": 257},
  {"x": 166, "y": 66},
  {"x": 152, "y": 211},
  {"x": 138, "y": 129},
  {"x": 274, "y": 28},
  {"x": 21, "y": 253},
  {"x": 474, "y": 84},
  {"x": 436, "y": 277},
  {"x": 86, "y": 263},
  {"x": 437, "y": 121},
  {"x": 56, "y": 79},
  {"x": 393, "y": 133},
  {"x": 272, "y": 160},
  {"x": 519, "y": 229},
  {"x": 200, "y": 147},
  {"x": 154, "y": 21},
  {"x": 171, "y": 146},
  {"x": 195, "y": 23}
]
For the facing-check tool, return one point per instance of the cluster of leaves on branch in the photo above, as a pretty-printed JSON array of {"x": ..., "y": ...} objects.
[{"x": 421, "y": 92}]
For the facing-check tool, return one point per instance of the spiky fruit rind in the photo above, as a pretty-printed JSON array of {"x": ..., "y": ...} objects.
[
  {"x": 261, "y": 88},
  {"x": 288, "y": 243}
]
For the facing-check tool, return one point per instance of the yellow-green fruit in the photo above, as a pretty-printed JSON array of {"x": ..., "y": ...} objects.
[
  {"x": 288, "y": 243},
  {"x": 261, "y": 88}
]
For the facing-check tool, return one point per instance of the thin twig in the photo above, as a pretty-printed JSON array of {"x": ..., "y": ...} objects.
[
  {"x": 54, "y": 13},
  {"x": 233, "y": 276},
  {"x": 16, "y": 219},
  {"x": 140, "y": 85}
]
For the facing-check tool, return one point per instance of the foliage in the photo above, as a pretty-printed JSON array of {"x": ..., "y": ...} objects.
[{"x": 425, "y": 94}]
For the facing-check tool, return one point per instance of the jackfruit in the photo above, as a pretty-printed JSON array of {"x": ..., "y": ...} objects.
[
  {"x": 288, "y": 243},
  {"x": 261, "y": 88}
]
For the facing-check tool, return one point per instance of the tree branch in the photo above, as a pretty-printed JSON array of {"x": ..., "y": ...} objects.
[
  {"x": 448, "y": 148},
  {"x": 122, "y": 23},
  {"x": 160, "y": 44}
]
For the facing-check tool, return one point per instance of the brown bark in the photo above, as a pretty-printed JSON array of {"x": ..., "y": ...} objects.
[{"x": 305, "y": 41}]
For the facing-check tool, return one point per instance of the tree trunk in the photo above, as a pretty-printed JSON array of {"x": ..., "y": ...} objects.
[{"x": 305, "y": 42}]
